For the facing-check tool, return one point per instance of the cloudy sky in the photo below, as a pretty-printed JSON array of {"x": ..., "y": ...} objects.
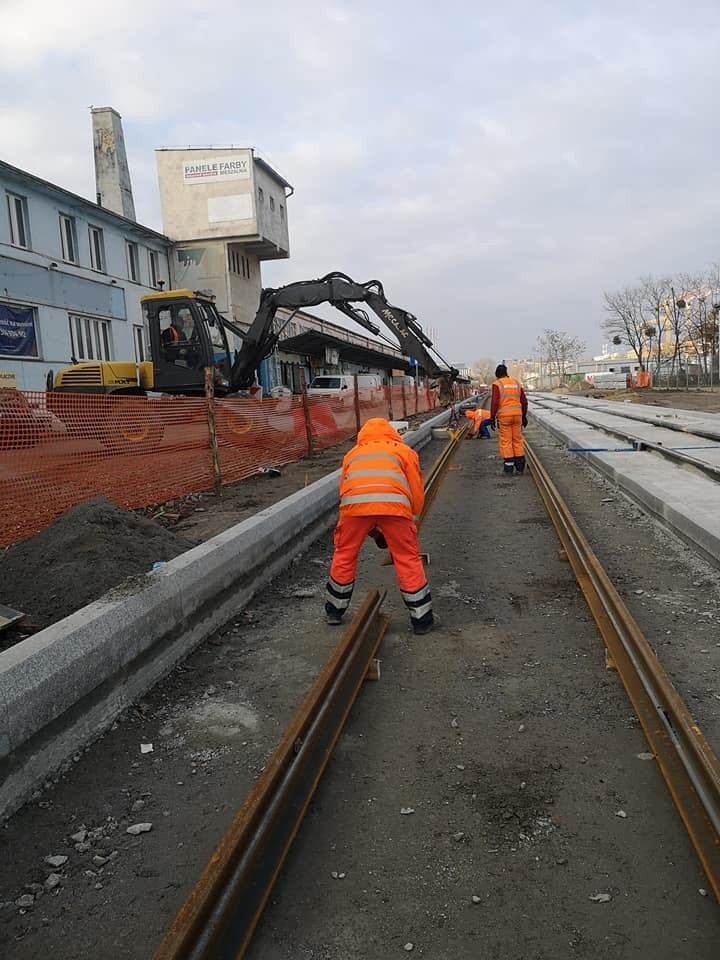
[{"x": 497, "y": 165}]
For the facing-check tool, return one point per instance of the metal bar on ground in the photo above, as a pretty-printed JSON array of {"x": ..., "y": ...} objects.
[
  {"x": 220, "y": 915},
  {"x": 690, "y": 768}
]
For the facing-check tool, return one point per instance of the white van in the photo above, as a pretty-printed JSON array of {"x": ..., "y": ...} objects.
[{"x": 338, "y": 382}]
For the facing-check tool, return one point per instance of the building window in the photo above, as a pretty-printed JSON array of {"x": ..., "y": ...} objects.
[
  {"x": 139, "y": 340},
  {"x": 246, "y": 267},
  {"x": 68, "y": 238},
  {"x": 18, "y": 331},
  {"x": 272, "y": 203},
  {"x": 89, "y": 338},
  {"x": 261, "y": 195},
  {"x": 133, "y": 263},
  {"x": 282, "y": 213},
  {"x": 153, "y": 268},
  {"x": 97, "y": 249},
  {"x": 19, "y": 221}
]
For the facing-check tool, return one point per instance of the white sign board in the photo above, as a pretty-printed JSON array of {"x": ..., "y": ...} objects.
[
  {"x": 221, "y": 209},
  {"x": 213, "y": 169}
]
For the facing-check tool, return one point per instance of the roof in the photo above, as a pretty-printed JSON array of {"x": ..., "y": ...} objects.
[
  {"x": 314, "y": 342},
  {"x": 54, "y": 190}
]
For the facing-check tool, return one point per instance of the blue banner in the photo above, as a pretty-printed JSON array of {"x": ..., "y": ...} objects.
[{"x": 17, "y": 331}]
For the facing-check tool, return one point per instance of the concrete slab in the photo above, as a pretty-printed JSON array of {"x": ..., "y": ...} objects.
[{"x": 688, "y": 503}]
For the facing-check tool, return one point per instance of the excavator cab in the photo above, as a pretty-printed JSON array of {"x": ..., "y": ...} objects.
[{"x": 187, "y": 335}]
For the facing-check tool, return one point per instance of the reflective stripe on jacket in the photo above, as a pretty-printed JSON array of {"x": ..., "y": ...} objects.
[
  {"x": 509, "y": 391},
  {"x": 381, "y": 476}
]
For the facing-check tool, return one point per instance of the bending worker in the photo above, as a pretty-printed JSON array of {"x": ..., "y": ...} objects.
[
  {"x": 509, "y": 410},
  {"x": 381, "y": 495},
  {"x": 480, "y": 423}
]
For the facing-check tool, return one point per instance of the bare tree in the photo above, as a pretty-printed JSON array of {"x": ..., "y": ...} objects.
[
  {"x": 654, "y": 293},
  {"x": 557, "y": 350},
  {"x": 625, "y": 321},
  {"x": 484, "y": 370}
]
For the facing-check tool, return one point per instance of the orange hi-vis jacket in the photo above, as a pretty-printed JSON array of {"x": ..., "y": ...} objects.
[
  {"x": 508, "y": 398},
  {"x": 481, "y": 414},
  {"x": 381, "y": 476}
]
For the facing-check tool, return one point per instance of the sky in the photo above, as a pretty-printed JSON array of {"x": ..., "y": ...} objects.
[{"x": 497, "y": 166}]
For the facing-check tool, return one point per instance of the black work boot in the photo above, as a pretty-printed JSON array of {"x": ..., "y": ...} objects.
[
  {"x": 425, "y": 624},
  {"x": 333, "y": 615},
  {"x": 519, "y": 464},
  {"x": 508, "y": 467}
]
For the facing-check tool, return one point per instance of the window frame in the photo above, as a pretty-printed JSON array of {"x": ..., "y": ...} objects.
[
  {"x": 100, "y": 266},
  {"x": 68, "y": 238},
  {"x": 15, "y": 200},
  {"x": 92, "y": 333},
  {"x": 153, "y": 268},
  {"x": 132, "y": 258},
  {"x": 139, "y": 342}
]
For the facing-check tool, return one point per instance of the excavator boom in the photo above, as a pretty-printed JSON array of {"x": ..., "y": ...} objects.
[{"x": 341, "y": 292}]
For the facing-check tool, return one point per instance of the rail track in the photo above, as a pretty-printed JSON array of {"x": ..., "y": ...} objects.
[
  {"x": 219, "y": 917},
  {"x": 222, "y": 911}
]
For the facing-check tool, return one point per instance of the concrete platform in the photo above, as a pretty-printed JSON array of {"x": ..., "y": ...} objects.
[{"x": 687, "y": 502}]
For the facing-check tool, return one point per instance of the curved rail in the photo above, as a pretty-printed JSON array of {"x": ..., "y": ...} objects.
[
  {"x": 688, "y": 764},
  {"x": 219, "y": 917}
]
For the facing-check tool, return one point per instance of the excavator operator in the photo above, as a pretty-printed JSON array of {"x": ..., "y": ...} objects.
[{"x": 381, "y": 496}]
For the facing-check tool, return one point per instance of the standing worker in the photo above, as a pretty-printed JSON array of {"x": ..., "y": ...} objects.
[
  {"x": 509, "y": 411},
  {"x": 382, "y": 496}
]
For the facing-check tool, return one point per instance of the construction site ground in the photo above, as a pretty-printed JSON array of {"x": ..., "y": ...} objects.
[{"x": 534, "y": 827}]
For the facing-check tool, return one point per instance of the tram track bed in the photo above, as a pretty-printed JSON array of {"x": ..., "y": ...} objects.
[{"x": 503, "y": 732}]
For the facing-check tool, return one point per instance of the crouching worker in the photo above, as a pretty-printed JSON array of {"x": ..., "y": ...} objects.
[{"x": 381, "y": 495}]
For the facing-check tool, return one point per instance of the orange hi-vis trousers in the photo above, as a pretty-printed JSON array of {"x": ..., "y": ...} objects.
[
  {"x": 401, "y": 536},
  {"x": 510, "y": 438}
]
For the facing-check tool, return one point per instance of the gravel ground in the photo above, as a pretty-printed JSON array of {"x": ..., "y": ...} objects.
[{"x": 503, "y": 733}]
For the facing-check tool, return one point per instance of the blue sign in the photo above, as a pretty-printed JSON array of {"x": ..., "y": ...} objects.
[
  {"x": 17, "y": 331},
  {"x": 412, "y": 362}
]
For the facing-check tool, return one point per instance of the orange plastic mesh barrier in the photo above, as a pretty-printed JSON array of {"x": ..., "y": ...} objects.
[{"x": 59, "y": 449}]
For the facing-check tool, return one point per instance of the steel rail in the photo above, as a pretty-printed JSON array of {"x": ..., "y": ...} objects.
[
  {"x": 641, "y": 445},
  {"x": 688, "y": 764},
  {"x": 219, "y": 916}
]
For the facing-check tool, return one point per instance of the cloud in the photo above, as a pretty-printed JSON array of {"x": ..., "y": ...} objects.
[{"x": 497, "y": 167}]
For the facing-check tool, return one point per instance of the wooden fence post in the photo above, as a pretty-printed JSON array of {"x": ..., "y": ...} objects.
[
  {"x": 389, "y": 401},
  {"x": 357, "y": 403},
  {"x": 404, "y": 400},
  {"x": 212, "y": 428},
  {"x": 306, "y": 414}
]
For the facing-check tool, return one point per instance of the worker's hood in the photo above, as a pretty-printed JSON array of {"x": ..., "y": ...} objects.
[{"x": 378, "y": 429}]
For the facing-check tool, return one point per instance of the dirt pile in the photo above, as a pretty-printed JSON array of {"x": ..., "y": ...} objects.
[{"x": 86, "y": 552}]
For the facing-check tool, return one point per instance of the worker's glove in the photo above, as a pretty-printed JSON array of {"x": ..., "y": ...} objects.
[
  {"x": 379, "y": 539},
  {"x": 524, "y": 421}
]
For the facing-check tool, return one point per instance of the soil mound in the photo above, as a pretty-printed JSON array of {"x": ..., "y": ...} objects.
[{"x": 83, "y": 554}]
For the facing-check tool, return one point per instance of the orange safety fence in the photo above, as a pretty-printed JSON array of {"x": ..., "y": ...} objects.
[{"x": 59, "y": 449}]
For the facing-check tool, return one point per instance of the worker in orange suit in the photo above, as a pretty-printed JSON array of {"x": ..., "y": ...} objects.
[
  {"x": 508, "y": 410},
  {"x": 480, "y": 423},
  {"x": 381, "y": 496}
]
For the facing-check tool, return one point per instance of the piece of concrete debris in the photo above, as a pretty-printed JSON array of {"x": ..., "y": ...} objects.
[
  {"x": 80, "y": 836},
  {"x": 476, "y": 898},
  {"x": 82, "y": 847},
  {"x": 703, "y": 892},
  {"x": 521, "y": 728},
  {"x": 25, "y": 901},
  {"x": 99, "y": 861},
  {"x": 54, "y": 880},
  {"x": 56, "y": 861},
  {"x": 409, "y": 946},
  {"x": 137, "y": 828},
  {"x": 146, "y": 748},
  {"x": 406, "y": 811},
  {"x": 601, "y": 898},
  {"x": 459, "y": 766},
  {"x": 646, "y": 756},
  {"x": 454, "y": 723},
  {"x": 304, "y": 594},
  {"x": 138, "y": 805},
  {"x": 457, "y": 837},
  {"x": 621, "y": 814}
]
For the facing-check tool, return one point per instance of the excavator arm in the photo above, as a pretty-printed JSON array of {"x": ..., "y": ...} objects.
[{"x": 342, "y": 293}]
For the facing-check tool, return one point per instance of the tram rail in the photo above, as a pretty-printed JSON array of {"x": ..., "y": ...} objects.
[{"x": 688, "y": 764}]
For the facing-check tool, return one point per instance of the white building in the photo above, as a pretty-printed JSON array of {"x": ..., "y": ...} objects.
[{"x": 71, "y": 276}]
